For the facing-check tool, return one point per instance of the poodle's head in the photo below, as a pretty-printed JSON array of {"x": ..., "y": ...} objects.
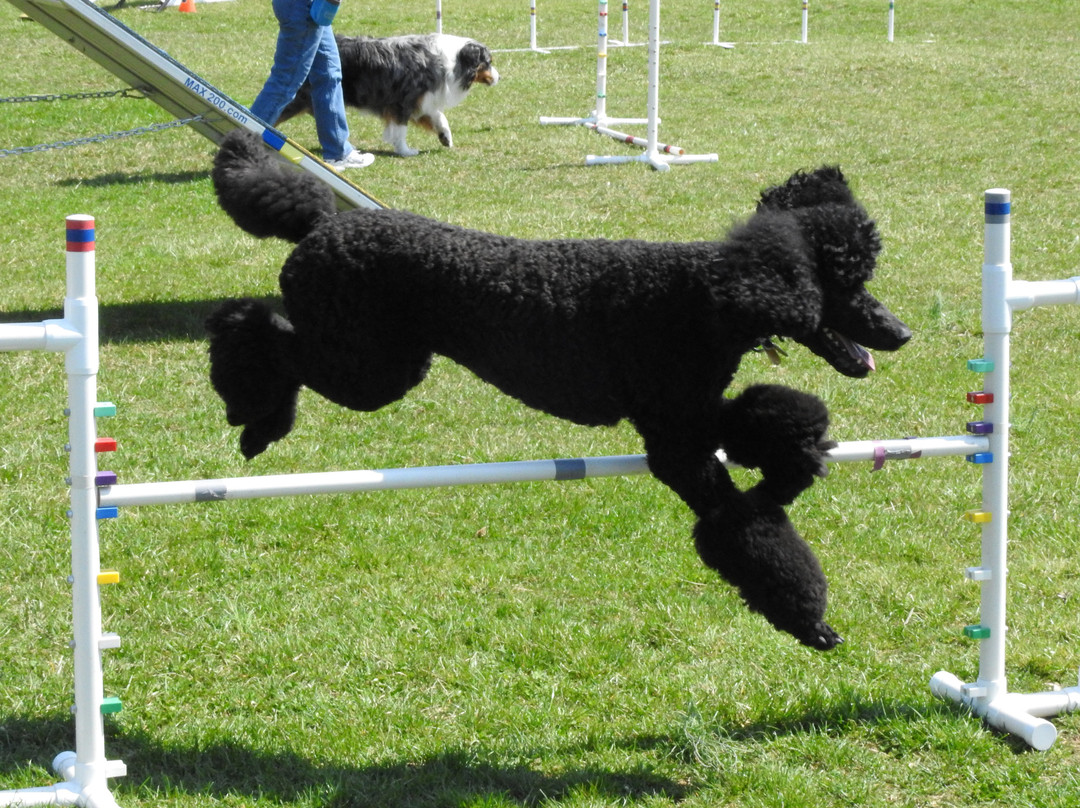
[{"x": 843, "y": 244}]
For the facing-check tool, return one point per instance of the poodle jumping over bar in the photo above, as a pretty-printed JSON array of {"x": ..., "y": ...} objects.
[{"x": 593, "y": 331}]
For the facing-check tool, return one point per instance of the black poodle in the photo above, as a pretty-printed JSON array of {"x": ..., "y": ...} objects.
[{"x": 594, "y": 331}]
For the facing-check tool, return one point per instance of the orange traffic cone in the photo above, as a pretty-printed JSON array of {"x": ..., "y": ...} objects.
[{"x": 187, "y": 6}]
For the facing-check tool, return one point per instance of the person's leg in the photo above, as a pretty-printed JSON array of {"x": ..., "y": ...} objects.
[
  {"x": 298, "y": 41},
  {"x": 327, "y": 101}
]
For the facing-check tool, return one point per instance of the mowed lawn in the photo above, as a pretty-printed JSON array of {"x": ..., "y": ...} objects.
[{"x": 548, "y": 645}]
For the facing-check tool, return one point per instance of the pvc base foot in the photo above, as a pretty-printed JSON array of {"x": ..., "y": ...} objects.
[
  {"x": 69, "y": 792},
  {"x": 1021, "y": 714},
  {"x": 661, "y": 162}
]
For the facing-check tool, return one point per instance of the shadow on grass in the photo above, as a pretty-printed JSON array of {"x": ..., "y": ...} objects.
[
  {"x": 122, "y": 178},
  {"x": 701, "y": 741},
  {"x": 141, "y": 322},
  {"x": 221, "y": 769}
]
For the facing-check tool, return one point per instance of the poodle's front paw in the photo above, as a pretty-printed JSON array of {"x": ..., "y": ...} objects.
[
  {"x": 782, "y": 432},
  {"x": 820, "y": 637},
  {"x": 783, "y": 484},
  {"x": 815, "y": 456}
]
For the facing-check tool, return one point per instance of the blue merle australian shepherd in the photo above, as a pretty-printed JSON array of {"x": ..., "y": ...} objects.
[{"x": 407, "y": 78}]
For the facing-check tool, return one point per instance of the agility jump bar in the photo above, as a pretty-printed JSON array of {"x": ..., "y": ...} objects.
[
  {"x": 112, "y": 495},
  {"x": 175, "y": 88}
]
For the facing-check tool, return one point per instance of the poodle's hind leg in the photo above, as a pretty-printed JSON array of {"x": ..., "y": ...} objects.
[
  {"x": 753, "y": 546},
  {"x": 780, "y": 431}
]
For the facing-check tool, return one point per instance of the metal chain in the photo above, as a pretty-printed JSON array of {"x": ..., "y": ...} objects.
[
  {"x": 63, "y": 144},
  {"x": 130, "y": 92}
]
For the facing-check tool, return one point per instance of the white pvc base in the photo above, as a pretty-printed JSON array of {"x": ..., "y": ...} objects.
[
  {"x": 544, "y": 50},
  {"x": 589, "y": 120},
  {"x": 659, "y": 161},
  {"x": 171, "y": 3},
  {"x": 68, "y": 792},
  {"x": 1021, "y": 714}
]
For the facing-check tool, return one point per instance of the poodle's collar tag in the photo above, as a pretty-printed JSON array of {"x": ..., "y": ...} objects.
[{"x": 771, "y": 350}]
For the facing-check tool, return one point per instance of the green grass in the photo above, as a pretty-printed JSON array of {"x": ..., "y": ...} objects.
[{"x": 539, "y": 645}]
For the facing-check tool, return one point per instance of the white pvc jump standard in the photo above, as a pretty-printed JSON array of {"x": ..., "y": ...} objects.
[
  {"x": 533, "y": 46},
  {"x": 988, "y": 697},
  {"x": 598, "y": 116},
  {"x": 85, "y": 771},
  {"x": 625, "y": 41},
  {"x": 659, "y": 155},
  {"x": 716, "y": 28}
]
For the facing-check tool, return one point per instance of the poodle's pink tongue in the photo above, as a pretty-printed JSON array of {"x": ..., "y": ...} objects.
[
  {"x": 860, "y": 353},
  {"x": 854, "y": 349}
]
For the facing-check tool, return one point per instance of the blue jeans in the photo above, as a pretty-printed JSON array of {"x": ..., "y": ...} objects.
[{"x": 306, "y": 51}]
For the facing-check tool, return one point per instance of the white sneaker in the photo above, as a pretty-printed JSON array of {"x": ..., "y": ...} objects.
[{"x": 354, "y": 159}]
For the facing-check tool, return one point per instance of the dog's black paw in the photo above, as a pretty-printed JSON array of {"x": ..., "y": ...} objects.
[
  {"x": 782, "y": 432},
  {"x": 821, "y": 637},
  {"x": 750, "y": 542}
]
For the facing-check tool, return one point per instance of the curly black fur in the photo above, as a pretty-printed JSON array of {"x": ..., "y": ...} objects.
[{"x": 594, "y": 331}]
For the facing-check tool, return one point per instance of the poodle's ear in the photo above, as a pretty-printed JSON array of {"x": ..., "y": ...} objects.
[
  {"x": 822, "y": 186},
  {"x": 845, "y": 241},
  {"x": 773, "y": 277}
]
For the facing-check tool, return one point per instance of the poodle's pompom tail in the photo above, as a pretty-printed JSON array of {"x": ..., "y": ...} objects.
[
  {"x": 263, "y": 195},
  {"x": 253, "y": 370},
  {"x": 751, "y": 543}
]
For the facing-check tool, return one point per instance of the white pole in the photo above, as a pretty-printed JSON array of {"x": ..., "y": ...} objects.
[
  {"x": 86, "y": 771},
  {"x": 892, "y": 10},
  {"x": 805, "y": 20},
  {"x": 601, "y": 64},
  {"x": 1021, "y": 714},
  {"x": 91, "y": 768},
  {"x": 625, "y": 26},
  {"x": 716, "y": 28},
  {"x": 633, "y": 140},
  {"x": 341, "y": 482},
  {"x": 652, "y": 107},
  {"x": 438, "y": 16},
  {"x": 532, "y": 25},
  {"x": 997, "y": 325}
]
